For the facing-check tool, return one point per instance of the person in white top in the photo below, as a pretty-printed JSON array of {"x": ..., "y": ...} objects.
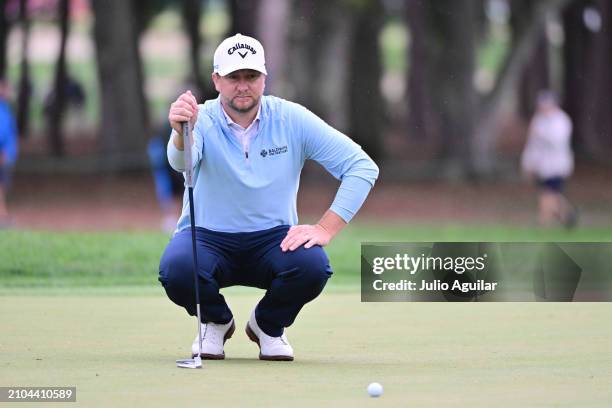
[{"x": 548, "y": 159}]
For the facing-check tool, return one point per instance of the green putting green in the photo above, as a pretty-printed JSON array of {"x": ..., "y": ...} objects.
[{"x": 118, "y": 347}]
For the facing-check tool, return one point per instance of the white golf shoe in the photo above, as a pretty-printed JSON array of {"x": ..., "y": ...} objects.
[
  {"x": 213, "y": 338},
  {"x": 270, "y": 348}
]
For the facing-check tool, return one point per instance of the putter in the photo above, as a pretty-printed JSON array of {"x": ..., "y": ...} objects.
[{"x": 196, "y": 361}]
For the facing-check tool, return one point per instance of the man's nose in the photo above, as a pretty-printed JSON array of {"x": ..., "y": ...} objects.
[{"x": 243, "y": 85}]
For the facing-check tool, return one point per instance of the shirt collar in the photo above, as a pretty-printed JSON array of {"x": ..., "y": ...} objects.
[{"x": 231, "y": 123}]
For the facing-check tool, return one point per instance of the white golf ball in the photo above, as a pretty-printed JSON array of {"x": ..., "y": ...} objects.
[{"x": 375, "y": 390}]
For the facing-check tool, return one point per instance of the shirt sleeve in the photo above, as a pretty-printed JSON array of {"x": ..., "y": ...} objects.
[
  {"x": 176, "y": 157},
  {"x": 341, "y": 157}
]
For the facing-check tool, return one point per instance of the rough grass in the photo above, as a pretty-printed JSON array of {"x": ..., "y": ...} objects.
[{"x": 70, "y": 259}]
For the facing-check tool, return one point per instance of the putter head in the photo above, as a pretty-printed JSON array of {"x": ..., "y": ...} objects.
[{"x": 195, "y": 362}]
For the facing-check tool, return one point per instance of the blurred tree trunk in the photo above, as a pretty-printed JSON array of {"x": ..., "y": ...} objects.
[
  {"x": 124, "y": 127},
  {"x": 366, "y": 106},
  {"x": 192, "y": 10},
  {"x": 420, "y": 118},
  {"x": 604, "y": 38},
  {"x": 4, "y": 29},
  {"x": 319, "y": 29},
  {"x": 319, "y": 51},
  {"x": 578, "y": 44},
  {"x": 452, "y": 32},
  {"x": 243, "y": 17},
  {"x": 273, "y": 32},
  {"x": 462, "y": 95},
  {"x": 58, "y": 104},
  {"x": 333, "y": 67},
  {"x": 25, "y": 84},
  {"x": 299, "y": 71},
  {"x": 143, "y": 12},
  {"x": 535, "y": 75},
  {"x": 305, "y": 48},
  {"x": 587, "y": 82}
]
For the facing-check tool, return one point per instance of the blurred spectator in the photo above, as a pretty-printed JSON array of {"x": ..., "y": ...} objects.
[
  {"x": 8, "y": 150},
  {"x": 168, "y": 183},
  {"x": 548, "y": 159},
  {"x": 74, "y": 94}
]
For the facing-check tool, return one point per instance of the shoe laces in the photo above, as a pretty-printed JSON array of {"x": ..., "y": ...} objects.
[
  {"x": 282, "y": 340},
  {"x": 209, "y": 333}
]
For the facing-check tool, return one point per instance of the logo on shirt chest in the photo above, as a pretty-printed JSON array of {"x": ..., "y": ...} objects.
[{"x": 274, "y": 151}]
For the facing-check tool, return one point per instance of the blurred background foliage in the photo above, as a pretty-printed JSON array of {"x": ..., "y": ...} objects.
[{"x": 440, "y": 88}]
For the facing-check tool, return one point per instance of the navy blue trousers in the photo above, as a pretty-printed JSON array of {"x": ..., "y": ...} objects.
[{"x": 291, "y": 279}]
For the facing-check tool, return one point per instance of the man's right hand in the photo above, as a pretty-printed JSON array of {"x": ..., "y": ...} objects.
[{"x": 184, "y": 109}]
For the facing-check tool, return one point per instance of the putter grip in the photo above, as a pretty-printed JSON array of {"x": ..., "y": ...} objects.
[{"x": 187, "y": 152}]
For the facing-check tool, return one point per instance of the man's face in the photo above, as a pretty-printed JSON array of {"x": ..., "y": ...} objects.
[
  {"x": 240, "y": 90},
  {"x": 546, "y": 106}
]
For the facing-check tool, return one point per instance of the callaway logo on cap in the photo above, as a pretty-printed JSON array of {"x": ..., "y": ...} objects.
[{"x": 239, "y": 52}]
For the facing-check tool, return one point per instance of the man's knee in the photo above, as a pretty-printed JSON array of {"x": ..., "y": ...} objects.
[
  {"x": 316, "y": 266},
  {"x": 308, "y": 272},
  {"x": 176, "y": 273},
  {"x": 174, "y": 267},
  {"x": 176, "y": 276}
]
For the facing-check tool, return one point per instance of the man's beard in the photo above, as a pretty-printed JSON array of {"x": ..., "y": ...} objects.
[{"x": 245, "y": 109}]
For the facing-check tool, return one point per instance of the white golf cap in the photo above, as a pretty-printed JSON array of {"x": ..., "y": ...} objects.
[{"x": 239, "y": 52}]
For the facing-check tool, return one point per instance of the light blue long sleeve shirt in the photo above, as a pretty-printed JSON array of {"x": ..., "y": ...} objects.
[{"x": 239, "y": 192}]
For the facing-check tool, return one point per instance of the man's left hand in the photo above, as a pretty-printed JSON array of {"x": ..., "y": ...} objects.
[{"x": 307, "y": 235}]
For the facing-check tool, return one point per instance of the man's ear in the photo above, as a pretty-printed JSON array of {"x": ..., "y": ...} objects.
[{"x": 215, "y": 78}]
